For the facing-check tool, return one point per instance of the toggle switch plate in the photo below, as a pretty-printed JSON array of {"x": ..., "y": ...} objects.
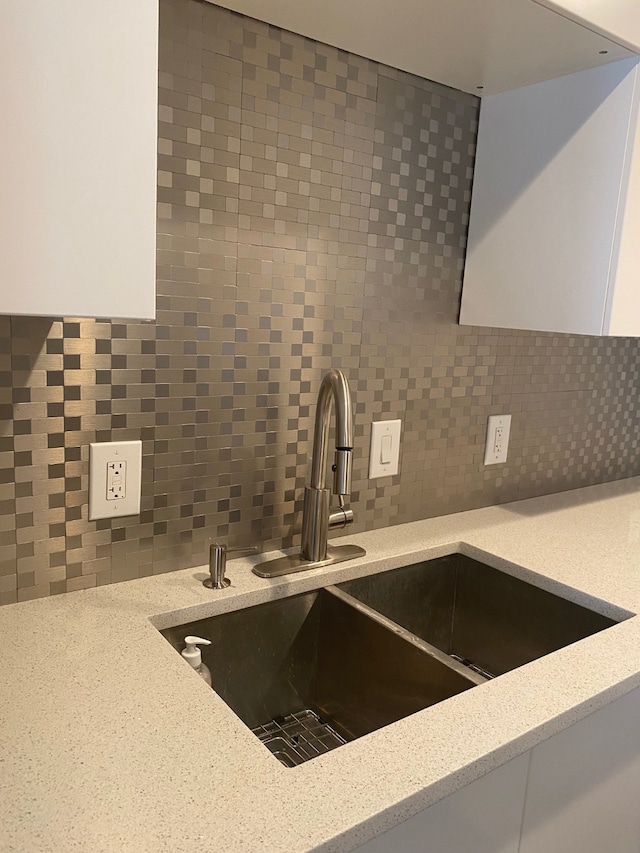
[
  {"x": 385, "y": 448},
  {"x": 115, "y": 470}
]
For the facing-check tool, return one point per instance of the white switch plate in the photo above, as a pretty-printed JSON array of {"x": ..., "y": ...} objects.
[
  {"x": 115, "y": 474},
  {"x": 498, "y": 429},
  {"x": 385, "y": 448}
]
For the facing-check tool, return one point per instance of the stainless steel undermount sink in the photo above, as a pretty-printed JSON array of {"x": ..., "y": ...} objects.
[
  {"x": 313, "y": 671},
  {"x": 492, "y": 621}
]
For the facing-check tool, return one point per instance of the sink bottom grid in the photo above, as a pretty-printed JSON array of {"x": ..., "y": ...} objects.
[{"x": 299, "y": 737}]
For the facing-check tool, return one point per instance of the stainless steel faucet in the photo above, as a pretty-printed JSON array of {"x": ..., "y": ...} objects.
[{"x": 317, "y": 517}]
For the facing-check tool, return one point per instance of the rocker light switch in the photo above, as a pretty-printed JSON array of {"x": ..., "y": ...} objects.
[
  {"x": 385, "y": 448},
  {"x": 386, "y": 444}
]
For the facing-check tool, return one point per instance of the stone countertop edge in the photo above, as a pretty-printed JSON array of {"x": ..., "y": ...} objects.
[{"x": 108, "y": 742}]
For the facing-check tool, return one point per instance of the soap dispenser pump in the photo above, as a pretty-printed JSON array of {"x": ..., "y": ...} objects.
[{"x": 192, "y": 654}]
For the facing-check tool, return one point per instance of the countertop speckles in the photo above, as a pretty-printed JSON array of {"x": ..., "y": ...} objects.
[{"x": 109, "y": 743}]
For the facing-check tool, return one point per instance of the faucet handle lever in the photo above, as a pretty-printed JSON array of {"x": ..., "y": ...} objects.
[
  {"x": 340, "y": 516},
  {"x": 218, "y": 564}
]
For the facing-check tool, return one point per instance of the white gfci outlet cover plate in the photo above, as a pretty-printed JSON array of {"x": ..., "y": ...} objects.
[
  {"x": 100, "y": 455},
  {"x": 497, "y": 444}
]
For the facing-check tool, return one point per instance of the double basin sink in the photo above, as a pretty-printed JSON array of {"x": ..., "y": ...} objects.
[{"x": 313, "y": 671}]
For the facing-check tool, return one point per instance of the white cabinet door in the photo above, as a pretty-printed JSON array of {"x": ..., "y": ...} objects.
[
  {"x": 584, "y": 785},
  {"x": 484, "y": 817},
  {"x": 78, "y": 157},
  {"x": 555, "y": 209},
  {"x": 577, "y": 792}
]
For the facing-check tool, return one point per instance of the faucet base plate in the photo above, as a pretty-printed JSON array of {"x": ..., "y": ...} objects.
[{"x": 295, "y": 563}]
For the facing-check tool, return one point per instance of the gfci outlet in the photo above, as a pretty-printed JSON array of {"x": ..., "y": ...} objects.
[
  {"x": 115, "y": 475},
  {"x": 498, "y": 429},
  {"x": 116, "y": 481}
]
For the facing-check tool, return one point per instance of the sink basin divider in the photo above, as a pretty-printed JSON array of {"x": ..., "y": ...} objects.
[{"x": 423, "y": 645}]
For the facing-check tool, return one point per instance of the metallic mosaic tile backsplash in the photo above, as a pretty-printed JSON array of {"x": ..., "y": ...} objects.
[{"x": 313, "y": 208}]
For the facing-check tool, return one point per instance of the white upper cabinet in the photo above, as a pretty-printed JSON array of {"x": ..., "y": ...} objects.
[
  {"x": 479, "y": 46},
  {"x": 619, "y": 19},
  {"x": 554, "y": 239},
  {"x": 78, "y": 157}
]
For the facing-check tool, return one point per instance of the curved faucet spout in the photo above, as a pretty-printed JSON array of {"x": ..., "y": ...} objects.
[
  {"x": 334, "y": 387},
  {"x": 318, "y": 517}
]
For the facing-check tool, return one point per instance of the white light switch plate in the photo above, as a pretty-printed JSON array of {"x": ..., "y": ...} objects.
[
  {"x": 498, "y": 429},
  {"x": 385, "y": 448},
  {"x": 115, "y": 474}
]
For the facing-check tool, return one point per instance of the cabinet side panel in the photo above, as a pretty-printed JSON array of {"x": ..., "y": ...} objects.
[
  {"x": 546, "y": 188},
  {"x": 79, "y": 163},
  {"x": 623, "y": 312}
]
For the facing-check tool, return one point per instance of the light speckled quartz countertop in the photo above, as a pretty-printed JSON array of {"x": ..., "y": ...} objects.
[{"x": 108, "y": 742}]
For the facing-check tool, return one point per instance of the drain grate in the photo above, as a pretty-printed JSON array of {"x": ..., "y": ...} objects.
[{"x": 296, "y": 738}]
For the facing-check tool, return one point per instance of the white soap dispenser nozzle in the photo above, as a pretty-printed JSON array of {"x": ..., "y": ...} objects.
[{"x": 192, "y": 653}]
